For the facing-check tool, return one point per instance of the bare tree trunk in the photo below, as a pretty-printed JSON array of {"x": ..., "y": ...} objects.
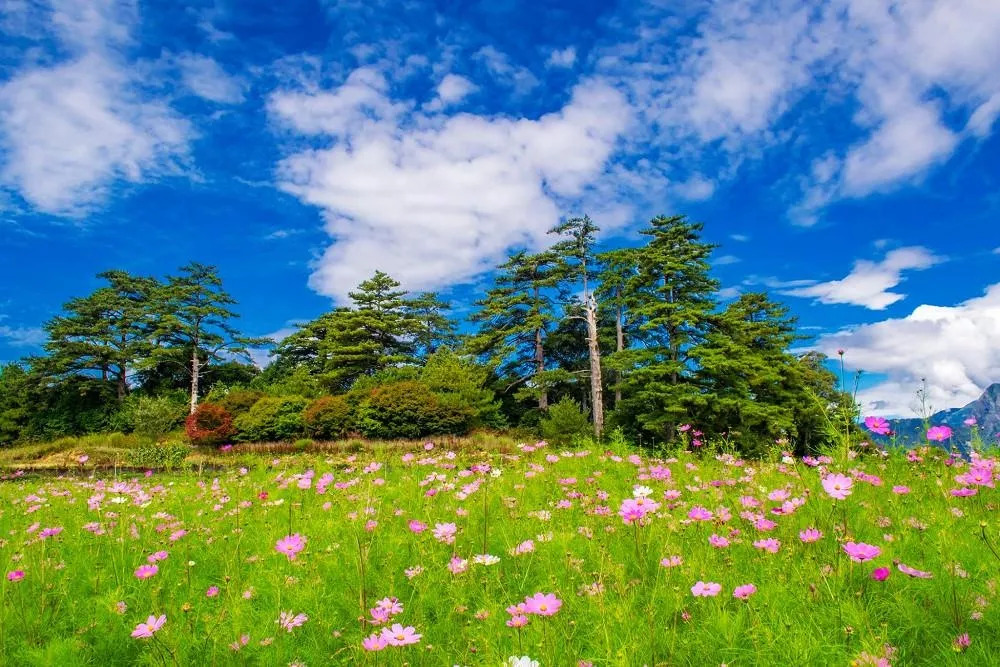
[
  {"x": 596, "y": 390},
  {"x": 619, "y": 346},
  {"x": 195, "y": 371},
  {"x": 122, "y": 384},
  {"x": 543, "y": 397}
]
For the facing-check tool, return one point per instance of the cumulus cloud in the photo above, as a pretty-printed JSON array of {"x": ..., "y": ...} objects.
[
  {"x": 71, "y": 128},
  {"x": 868, "y": 283},
  {"x": 204, "y": 77},
  {"x": 454, "y": 88},
  {"x": 562, "y": 57},
  {"x": 955, "y": 348},
  {"x": 911, "y": 81},
  {"x": 436, "y": 199},
  {"x": 22, "y": 336}
]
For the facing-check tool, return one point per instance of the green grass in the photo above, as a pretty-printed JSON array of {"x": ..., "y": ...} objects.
[{"x": 79, "y": 601}]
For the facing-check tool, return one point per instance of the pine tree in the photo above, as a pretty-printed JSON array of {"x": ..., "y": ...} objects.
[
  {"x": 107, "y": 332},
  {"x": 577, "y": 268},
  {"x": 432, "y": 327},
  {"x": 618, "y": 268},
  {"x": 743, "y": 369},
  {"x": 514, "y": 319},
  {"x": 194, "y": 323},
  {"x": 672, "y": 297}
]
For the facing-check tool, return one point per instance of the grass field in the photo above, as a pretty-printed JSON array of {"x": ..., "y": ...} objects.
[{"x": 464, "y": 556}]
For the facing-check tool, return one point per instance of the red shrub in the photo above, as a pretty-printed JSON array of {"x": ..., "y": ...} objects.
[{"x": 209, "y": 424}]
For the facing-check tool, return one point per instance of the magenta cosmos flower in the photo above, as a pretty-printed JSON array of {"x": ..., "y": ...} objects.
[
  {"x": 880, "y": 573},
  {"x": 770, "y": 544},
  {"x": 291, "y": 545},
  {"x": 397, "y": 635},
  {"x": 861, "y": 552},
  {"x": 373, "y": 642},
  {"x": 810, "y": 535},
  {"x": 146, "y": 571},
  {"x": 837, "y": 485},
  {"x": 706, "y": 589},
  {"x": 289, "y": 622},
  {"x": 15, "y": 575},
  {"x": 542, "y": 604},
  {"x": 877, "y": 425},
  {"x": 913, "y": 572},
  {"x": 149, "y": 628},
  {"x": 938, "y": 433},
  {"x": 445, "y": 532},
  {"x": 745, "y": 591}
]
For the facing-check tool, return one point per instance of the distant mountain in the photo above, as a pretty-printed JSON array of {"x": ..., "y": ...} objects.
[{"x": 985, "y": 409}]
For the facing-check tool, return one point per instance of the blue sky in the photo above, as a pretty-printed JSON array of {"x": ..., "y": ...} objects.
[{"x": 843, "y": 154}]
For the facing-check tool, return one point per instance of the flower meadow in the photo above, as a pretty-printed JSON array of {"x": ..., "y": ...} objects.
[{"x": 526, "y": 555}]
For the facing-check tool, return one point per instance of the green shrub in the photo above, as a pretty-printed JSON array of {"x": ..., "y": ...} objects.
[
  {"x": 411, "y": 410},
  {"x": 328, "y": 417},
  {"x": 239, "y": 401},
  {"x": 272, "y": 418},
  {"x": 169, "y": 455},
  {"x": 459, "y": 377},
  {"x": 209, "y": 424},
  {"x": 302, "y": 444},
  {"x": 564, "y": 422}
]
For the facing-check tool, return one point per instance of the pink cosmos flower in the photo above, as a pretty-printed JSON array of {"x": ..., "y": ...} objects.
[
  {"x": 961, "y": 642},
  {"x": 146, "y": 571},
  {"x": 700, "y": 514},
  {"x": 745, "y": 591},
  {"x": 149, "y": 628},
  {"x": 718, "y": 542},
  {"x": 971, "y": 421},
  {"x": 373, "y": 642},
  {"x": 861, "y": 552},
  {"x": 542, "y": 604},
  {"x": 177, "y": 534},
  {"x": 810, "y": 535},
  {"x": 445, "y": 532},
  {"x": 49, "y": 532},
  {"x": 673, "y": 561},
  {"x": 900, "y": 490},
  {"x": 156, "y": 556},
  {"x": 212, "y": 591},
  {"x": 877, "y": 425},
  {"x": 838, "y": 486},
  {"x": 772, "y": 545},
  {"x": 517, "y": 621},
  {"x": 704, "y": 589},
  {"x": 880, "y": 573},
  {"x": 15, "y": 575},
  {"x": 938, "y": 433},
  {"x": 964, "y": 492},
  {"x": 397, "y": 635},
  {"x": 290, "y": 622},
  {"x": 458, "y": 565},
  {"x": 913, "y": 572},
  {"x": 291, "y": 545},
  {"x": 417, "y": 526}
]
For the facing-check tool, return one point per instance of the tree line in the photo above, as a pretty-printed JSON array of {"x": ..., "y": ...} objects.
[{"x": 566, "y": 339}]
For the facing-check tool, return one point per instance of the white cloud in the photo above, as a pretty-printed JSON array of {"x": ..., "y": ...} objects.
[
  {"x": 23, "y": 336},
  {"x": 562, "y": 57},
  {"x": 69, "y": 130},
  {"x": 725, "y": 260},
  {"x": 454, "y": 88},
  {"x": 868, "y": 283},
  {"x": 740, "y": 238},
  {"x": 282, "y": 234},
  {"x": 205, "y": 78},
  {"x": 910, "y": 80},
  {"x": 956, "y": 348},
  {"x": 504, "y": 71},
  {"x": 695, "y": 188},
  {"x": 434, "y": 199}
]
